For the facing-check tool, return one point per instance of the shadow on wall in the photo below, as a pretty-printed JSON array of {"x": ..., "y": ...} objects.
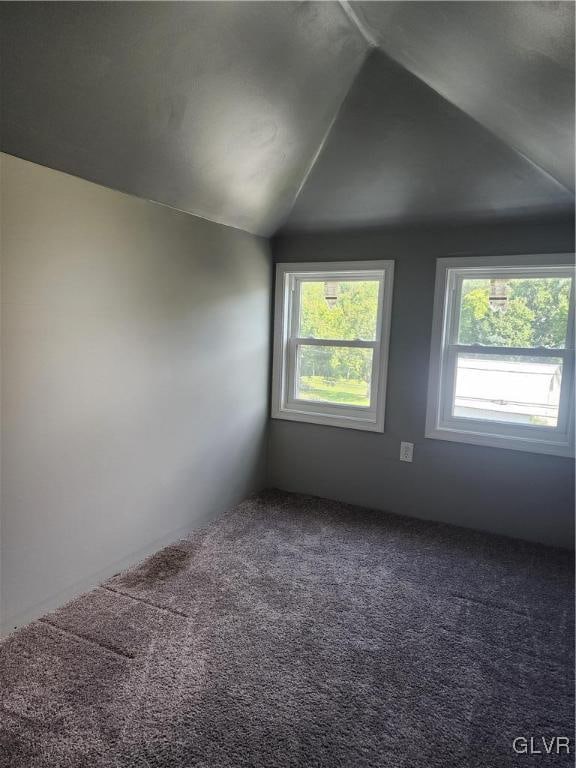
[{"x": 136, "y": 343}]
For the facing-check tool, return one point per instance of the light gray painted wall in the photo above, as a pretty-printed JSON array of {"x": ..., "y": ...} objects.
[
  {"x": 135, "y": 346},
  {"x": 523, "y": 495}
]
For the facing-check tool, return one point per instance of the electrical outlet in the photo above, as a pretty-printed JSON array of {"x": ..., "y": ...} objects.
[{"x": 406, "y": 451}]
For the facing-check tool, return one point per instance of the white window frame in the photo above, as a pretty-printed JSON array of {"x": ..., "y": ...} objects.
[
  {"x": 440, "y": 423},
  {"x": 285, "y": 405}
]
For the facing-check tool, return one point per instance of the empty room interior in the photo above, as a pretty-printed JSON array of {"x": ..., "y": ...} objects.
[{"x": 287, "y": 384}]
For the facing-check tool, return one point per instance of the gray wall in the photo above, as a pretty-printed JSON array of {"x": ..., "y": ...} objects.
[
  {"x": 135, "y": 347},
  {"x": 523, "y": 495}
]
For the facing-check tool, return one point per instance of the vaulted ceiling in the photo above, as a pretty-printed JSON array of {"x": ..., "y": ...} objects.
[
  {"x": 399, "y": 152},
  {"x": 300, "y": 115},
  {"x": 509, "y": 65},
  {"x": 215, "y": 108}
]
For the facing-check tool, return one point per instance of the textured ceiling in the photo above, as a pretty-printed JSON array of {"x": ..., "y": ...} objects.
[
  {"x": 399, "y": 152},
  {"x": 510, "y": 65},
  {"x": 235, "y": 110},
  {"x": 214, "y": 108}
]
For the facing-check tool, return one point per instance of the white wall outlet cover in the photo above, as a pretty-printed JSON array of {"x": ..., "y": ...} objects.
[{"x": 406, "y": 451}]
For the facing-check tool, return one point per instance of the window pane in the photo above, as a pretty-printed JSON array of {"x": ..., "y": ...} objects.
[
  {"x": 519, "y": 312},
  {"x": 339, "y": 309},
  {"x": 334, "y": 374},
  {"x": 508, "y": 388}
]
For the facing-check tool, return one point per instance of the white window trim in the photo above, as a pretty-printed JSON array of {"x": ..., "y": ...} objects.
[
  {"x": 284, "y": 405},
  {"x": 439, "y": 425}
]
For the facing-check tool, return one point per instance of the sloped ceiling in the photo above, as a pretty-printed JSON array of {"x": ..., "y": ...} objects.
[
  {"x": 216, "y": 108},
  {"x": 263, "y": 115},
  {"x": 510, "y": 65},
  {"x": 400, "y": 153}
]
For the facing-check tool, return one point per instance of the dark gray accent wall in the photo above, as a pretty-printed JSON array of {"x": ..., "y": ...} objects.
[
  {"x": 524, "y": 495},
  {"x": 135, "y": 345},
  {"x": 215, "y": 108},
  {"x": 399, "y": 152}
]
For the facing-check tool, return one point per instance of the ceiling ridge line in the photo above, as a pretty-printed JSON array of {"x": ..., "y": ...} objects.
[
  {"x": 364, "y": 28},
  {"x": 512, "y": 147},
  {"x": 501, "y": 145},
  {"x": 368, "y": 52},
  {"x": 359, "y": 24},
  {"x": 505, "y": 142}
]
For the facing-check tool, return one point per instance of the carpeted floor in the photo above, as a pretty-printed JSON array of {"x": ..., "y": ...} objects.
[{"x": 300, "y": 632}]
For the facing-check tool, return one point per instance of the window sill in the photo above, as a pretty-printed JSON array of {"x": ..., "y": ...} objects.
[
  {"x": 561, "y": 448},
  {"x": 368, "y": 424}
]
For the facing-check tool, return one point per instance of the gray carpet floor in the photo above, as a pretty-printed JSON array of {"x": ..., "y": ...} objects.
[{"x": 296, "y": 631}]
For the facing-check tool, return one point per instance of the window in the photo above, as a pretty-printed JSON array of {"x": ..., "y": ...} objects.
[
  {"x": 502, "y": 357},
  {"x": 332, "y": 324}
]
